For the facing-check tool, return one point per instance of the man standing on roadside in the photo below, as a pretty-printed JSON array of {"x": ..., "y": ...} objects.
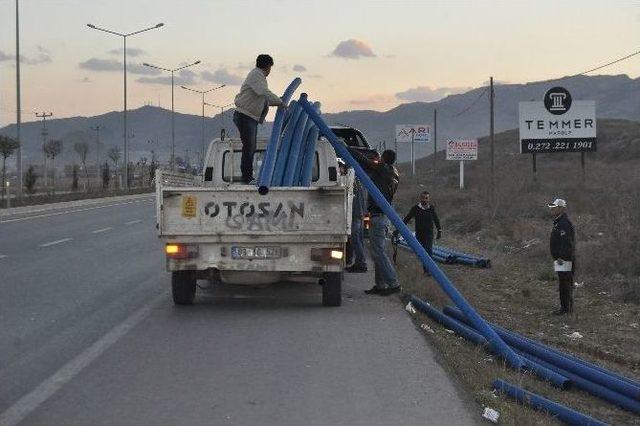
[
  {"x": 252, "y": 105},
  {"x": 385, "y": 176},
  {"x": 426, "y": 217},
  {"x": 563, "y": 251},
  {"x": 358, "y": 210}
]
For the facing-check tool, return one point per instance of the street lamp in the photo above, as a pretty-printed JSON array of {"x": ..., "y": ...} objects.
[
  {"x": 124, "y": 38},
  {"x": 222, "y": 131},
  {"x": 173, "y": 124},
  {"x": 202, "y": 92}
]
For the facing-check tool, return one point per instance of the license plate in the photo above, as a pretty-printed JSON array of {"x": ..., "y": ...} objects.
[{"x": 256, "y": 252}]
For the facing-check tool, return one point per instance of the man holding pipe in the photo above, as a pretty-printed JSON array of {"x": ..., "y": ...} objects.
[
  {"x": 385, "y": 176},
  {"x": 252, "y": 105},
  {"x": 563, "y": 251}
]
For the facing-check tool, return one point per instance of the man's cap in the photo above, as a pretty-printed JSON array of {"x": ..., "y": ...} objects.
[{"x": 558, "y": 202}]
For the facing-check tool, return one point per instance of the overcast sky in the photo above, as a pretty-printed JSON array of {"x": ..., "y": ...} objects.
[{"x": 350, "y": 54}]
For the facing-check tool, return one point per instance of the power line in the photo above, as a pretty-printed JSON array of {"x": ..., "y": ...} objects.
[
  {"x": 473, "y": 103},
  {"x": 608, "y": 64}
]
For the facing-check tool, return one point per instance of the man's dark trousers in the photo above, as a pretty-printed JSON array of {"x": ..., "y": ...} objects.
[
  {"x": 566, "y": 290},
  {"x": 427, "y": 243},
  {"x": 248, "y": 128}
]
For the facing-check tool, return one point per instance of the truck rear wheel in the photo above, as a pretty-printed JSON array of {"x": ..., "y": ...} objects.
[
  {"x": 332, "y": 289},
  {"x": 183, "y": 287}
]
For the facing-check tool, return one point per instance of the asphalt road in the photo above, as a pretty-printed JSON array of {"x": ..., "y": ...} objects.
[{"x": 89, "y": 336}]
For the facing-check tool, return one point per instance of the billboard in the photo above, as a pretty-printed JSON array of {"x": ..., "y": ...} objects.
[
  {"x": 418, "y": 133},
  {"x": 462, "y": 149},
  {"x": 558, "y": 124}
]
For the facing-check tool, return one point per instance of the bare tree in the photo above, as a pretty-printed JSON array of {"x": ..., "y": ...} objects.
[
  {"x": 7, "y": 147},
  {"x": 53, "y": 148},
  {"x": 114, "y": 155},
  {"x": 82, "y": 149}
]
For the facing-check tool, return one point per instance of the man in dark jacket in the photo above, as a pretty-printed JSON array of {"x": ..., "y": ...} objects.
[
  {"x": 426, "y": 217},
  {"x": 562, "y": 245},
  {"x": 385, "y": 176}
]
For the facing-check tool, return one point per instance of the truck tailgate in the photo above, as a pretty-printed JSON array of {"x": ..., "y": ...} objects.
[{"x": 201, "y": 211}]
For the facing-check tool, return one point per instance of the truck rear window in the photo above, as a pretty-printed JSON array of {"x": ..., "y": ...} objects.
[{"x": 257, "y": 164}]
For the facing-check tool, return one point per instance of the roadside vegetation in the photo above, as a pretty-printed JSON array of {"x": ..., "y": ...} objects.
[{"x": 520, "y": 290}]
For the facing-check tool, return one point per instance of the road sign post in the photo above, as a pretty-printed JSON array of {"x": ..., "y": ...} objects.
[
  {"x": 413, "y": 133},
  {"x": 462, "y": 150}
]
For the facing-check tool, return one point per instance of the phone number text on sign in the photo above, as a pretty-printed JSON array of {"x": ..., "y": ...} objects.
[{"x": 536, "y": 146}]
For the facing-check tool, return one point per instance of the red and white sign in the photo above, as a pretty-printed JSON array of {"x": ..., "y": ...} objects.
[{"x": 462, "y": 149}]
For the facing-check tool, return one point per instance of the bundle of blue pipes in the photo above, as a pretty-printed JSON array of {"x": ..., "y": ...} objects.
[
  {"x": 597, "y": 381},
  {"x": 446, "y": 255}
]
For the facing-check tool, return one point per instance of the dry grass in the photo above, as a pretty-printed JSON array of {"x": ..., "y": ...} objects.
[{"x": 520, "y": 290}]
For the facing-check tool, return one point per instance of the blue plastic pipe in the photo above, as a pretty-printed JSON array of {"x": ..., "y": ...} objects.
[
  {"x": 540, "y": 351},
  {"x": 282, "y": 157},
  {"x": 594, "y": 389},
  {"x": 455, "y": 313},
  {"x": 269, "y": 160},
  {"x": 563, "y": 413},
  {"x": 494, "y": 340},
  {"x": 305, "y": 150},
  {"x": 556, "y": 379},
  {"x": 306, "y": 170},
  {"x": 294, "y": 151}
]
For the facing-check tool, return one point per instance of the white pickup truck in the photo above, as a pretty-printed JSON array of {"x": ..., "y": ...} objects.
[{"x": 216, "y": 228}]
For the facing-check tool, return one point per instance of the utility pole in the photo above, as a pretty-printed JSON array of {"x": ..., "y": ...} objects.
[
  {"x": 491, "y": 135},
  {"x": 97, "y": 129},
  {"x": 18, "y": 106},
  {"x": 435, "y": 138},
  {"x": 44, "y": 134}
]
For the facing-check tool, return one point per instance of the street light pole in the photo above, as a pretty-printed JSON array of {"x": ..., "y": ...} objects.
[
  {"x": 97, "y": 129},
  {"x": 18, "y": 106},
  {"x": 44, "y": 116},
  {"x": 222, "y": 130},
  {"x": 202, "y": 92},
  {"x": 125, "y": 137},
  {"x": 173, "y": 126}
]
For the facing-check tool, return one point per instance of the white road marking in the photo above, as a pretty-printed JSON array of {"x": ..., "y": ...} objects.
[
  {"x": 133, "y": 222},
  {"x": 62, "y": 212},
  {"x": 98, "y": 231},
  {"x": 53, "y": 243},
  {"x": 31, "y": 401},
  {"x": 2, "y": 256}
]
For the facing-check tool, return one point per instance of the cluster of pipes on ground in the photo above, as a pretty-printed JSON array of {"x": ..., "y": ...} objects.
[
  {"x": 287, "y": 162},
  {"x": 446, "y": 255}
]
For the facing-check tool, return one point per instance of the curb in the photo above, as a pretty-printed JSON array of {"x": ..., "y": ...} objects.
[{"x": 66, "y": 204}]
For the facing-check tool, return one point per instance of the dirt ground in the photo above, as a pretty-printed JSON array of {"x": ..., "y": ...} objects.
[{"x": 520, "y": 291}]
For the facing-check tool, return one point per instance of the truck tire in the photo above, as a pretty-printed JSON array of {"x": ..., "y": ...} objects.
[
  {"x": 183, "y": 287},
  {"x": 332, "y": 289}
]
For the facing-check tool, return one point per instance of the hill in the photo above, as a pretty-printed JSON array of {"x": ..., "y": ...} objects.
[
  {"x": 521, "y": 289},
  {"x": 615, "y": 96}
]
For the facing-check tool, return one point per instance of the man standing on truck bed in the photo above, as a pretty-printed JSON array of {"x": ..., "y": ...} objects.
[
  {"x": 385, "y": 176},
  {"x": 252, "y": 105}
]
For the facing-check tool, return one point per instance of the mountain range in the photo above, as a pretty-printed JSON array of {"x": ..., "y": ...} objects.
[{"x": 459, "y": 116}]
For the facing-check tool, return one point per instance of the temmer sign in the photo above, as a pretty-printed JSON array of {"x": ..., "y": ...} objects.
[{"x": 559, "y": 124}]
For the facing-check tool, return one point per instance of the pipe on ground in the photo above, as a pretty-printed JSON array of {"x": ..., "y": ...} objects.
[
  {"x": 556, "y": 379},
  {"x": 563, "y": 413},
  {"x": 540, "y": 351}
]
